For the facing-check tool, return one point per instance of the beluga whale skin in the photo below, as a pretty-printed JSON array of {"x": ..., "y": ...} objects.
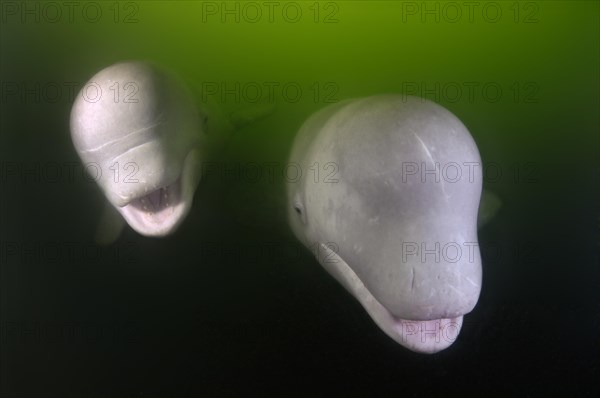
[
  {"x": 143, "y": 137},
  {"x": 392, "y": 214},
  {"x": 142, "y": 134}
]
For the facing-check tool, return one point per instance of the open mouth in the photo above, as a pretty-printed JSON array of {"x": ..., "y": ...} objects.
[
  {"x": 158, "y": 203},
  {"x": 158, "y": 212}
]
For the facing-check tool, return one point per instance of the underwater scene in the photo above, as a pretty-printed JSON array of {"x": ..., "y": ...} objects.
[{"x": 299, "y": 198}]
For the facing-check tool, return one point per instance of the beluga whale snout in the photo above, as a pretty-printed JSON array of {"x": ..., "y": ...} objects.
[
  {"x": 137, "y": 128},
  {"x": 396, "y": 223}
]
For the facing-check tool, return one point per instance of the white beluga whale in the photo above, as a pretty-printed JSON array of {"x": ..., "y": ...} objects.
[
  {"x": 392, "y": 213},
  {"x": 137, "y": 128}
]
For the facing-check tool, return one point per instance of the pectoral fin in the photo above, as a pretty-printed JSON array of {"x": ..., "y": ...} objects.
[
  {"x": 110, "y": 226},
  {"x": 243, "y": 117},
  {"x": 488, "y": 207}
]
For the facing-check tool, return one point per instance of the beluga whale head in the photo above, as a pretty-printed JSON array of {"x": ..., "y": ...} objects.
[
  {"x": 140, "y": 135},
  {"x": 392, "y": 212}
]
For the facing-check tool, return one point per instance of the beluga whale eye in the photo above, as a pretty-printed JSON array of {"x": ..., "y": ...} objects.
[
  {"x": 143, "y": 132},
  {"x": 299, "y": 209},
  {"x": 404, "y": 240}
]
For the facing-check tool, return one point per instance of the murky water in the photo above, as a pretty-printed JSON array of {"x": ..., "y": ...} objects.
[{"x": 231, "y": 302}]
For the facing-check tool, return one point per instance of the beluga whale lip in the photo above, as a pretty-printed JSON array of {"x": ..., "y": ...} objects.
[
  {"x": 402, "y": 242},
  {"x": 140, "y": 129}
]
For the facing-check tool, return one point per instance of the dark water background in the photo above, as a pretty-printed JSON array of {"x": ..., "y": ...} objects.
[{"x": 231, "y": 303}]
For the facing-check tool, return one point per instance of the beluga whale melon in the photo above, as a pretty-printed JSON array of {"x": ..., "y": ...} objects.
[{"x": 393, "y": 212}]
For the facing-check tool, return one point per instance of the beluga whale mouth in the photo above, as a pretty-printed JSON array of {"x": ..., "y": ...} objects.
[
  {"x": 427, "y": 336},
  {"x": 157, "y": 204},
  {"x": 160, "y": 211},
  {"x": 157, "y": 212},
  {"x": 388, "y": 232}
]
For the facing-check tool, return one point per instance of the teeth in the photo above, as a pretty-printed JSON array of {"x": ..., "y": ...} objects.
[
  {"x": 161, "y": 198},
  {"x": 166, "y": 196},
  {"x": 144, "y": 201},
  {"x": 157, "y": 202}
]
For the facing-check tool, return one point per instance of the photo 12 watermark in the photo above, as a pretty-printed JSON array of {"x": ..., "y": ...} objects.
[
  {"x": 52, "y": 172},
  {"x": 441, "y": 330},
  {"x": 450, "y": 12},
  {"x": 69, "y": 12},
  {"x": 446, "y": 252},
  {"x": 250, "y": 12},
  {"x": 271, "y": 172},
  {"x": 253, "y": 253},
  {"x": 473, "y": 91},
  {"x": 67, "y": 252},
  {"x": 128, "y": 92},
  {"x": 270, "y": 91},
  {"x": 456, "y": 172},
  {"x": 31, "y": 332},
  {"x": 66, "y": 92},
  {"x": 437, "y": 252},
  {"x": 464, "y": 252}
]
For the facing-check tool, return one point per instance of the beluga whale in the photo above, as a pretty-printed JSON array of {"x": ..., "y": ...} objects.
[
  {"x": 143, "y": 137},
  {"x": 393, "y": 212}
]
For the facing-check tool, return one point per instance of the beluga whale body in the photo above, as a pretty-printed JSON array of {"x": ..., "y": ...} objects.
[
  {"x": 393, "y": 212},
  {"x": 138, "y": 129}
]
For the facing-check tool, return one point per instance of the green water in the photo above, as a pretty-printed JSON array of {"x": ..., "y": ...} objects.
[{"x": 522, "y": 76}]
